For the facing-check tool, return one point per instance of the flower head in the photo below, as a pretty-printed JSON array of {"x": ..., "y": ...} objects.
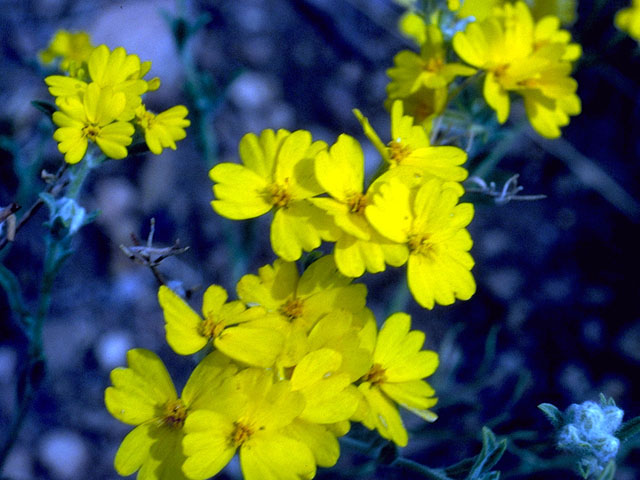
[
  {"x": 143, "y": 395},
  {"x": 162, "y": 130},
  {"x": 428, "y": 69},
  {"x": 249, "y": 416},
  {"x": 73, "y": 48},
  {"x": 396, "y": 377},
  {"x": 240, "y": 333},
  {"x": 410, "y": 149},
  {"x": 530, "y": 59},
  {"x": 92, "y": 118},
  {"x": 277, "y": 173},
  {"x": 430, "y": 223},
  {"x": 300, "y": 301},
  {"x": 113, "y": 69},
  {"x": 340, "y": 171}
]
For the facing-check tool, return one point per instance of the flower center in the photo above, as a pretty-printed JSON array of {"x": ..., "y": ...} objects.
[
  {"x": 421, "y": 245},
  {"x": 91, "y": 131},
  {"x": 434, "y": 64},
  {"x": 398, "y": 151},
  {"x": 241, "y": 433},
  {"x": 211, "y": 327},
  {"x": 500, "y": 71},
  {"x": 174, "y": 414},
  {"x": 145, "y": 119},
  {"x": 293, "y": 309},
  {"x": 357, "y": 203},
  {"x": 279, "y": 195},
  {"x": 375, "y": 375}
]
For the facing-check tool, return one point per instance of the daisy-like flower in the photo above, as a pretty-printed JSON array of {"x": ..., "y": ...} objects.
[
  {"x": 73, "y": 48},
  {"x": 628, "y": 20},
  {"x": 431, "y": 224},
  {"x": 143, "y": 395},
  {"x": 300, "y": 301},
  {"x": 240, "y": 333},
  {"x": 162, "y": 130},
  {"x": 428, "y": 69},
  {"x": 277, "y": 173},
  {"x": 249, "y": 416},
  {"x": 340, "y": 171},
  {"x": 117, "y": 70},
  {"x": 92, "y": 118},
  {"x": 396, "y": 377},
  {"x": 505, "y": 46},
  {"x": 410, "y": 149}
]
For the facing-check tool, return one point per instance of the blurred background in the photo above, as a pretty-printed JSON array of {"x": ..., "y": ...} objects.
[{"x": 555, "y": 318}]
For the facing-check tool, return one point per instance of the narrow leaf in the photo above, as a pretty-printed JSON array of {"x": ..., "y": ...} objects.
[
  {"x": 628, "y": 429},
  {"x": 553, "y": 414},
  {"x": 608, "y": 472}
]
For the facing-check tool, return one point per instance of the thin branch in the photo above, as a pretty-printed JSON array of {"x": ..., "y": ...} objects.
[
  {"x": 508, "y": 192},
  {"x": 55, "y": 186},
  {"x": 151, "y": 256}
]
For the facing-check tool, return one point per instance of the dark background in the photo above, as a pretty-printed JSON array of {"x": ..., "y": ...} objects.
[{"x": 556, "y": 315}]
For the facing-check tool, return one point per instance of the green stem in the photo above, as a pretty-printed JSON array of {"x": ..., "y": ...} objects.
[
  {"x": 426, "y": 472},
  {"x": 80, "y": 172},
  {"x": 58, "y": 249}
]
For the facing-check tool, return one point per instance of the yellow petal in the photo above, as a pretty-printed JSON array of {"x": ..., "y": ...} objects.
[
  {"x": 182, "y": 324},
  {"x": 207, "y": 444},
  {"x": 137, "y": 391},
  {"x": 250, "y": 345},
  {"x": 277, "y": 457}
]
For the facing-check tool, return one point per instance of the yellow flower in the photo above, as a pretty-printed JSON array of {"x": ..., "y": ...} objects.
[
  {"x": 249, "y": 416},
  {"x": 73, "y": 47},
  {"x": 410, "y": 149},
  {"x": 565, "y": 10},
  {"x": 277, "y": 174},
  {"x": 244, "y": 335},
  {"x": 113, "y": 69},
  {"x": 340, "y": 171},
  {"x": 505, "y": 46},
  {"x": 301, "y": 300},
  {"x": 143, "y": 395},
  {"x": 162, "y": 130},
  {"x": 478, "y": 9},
  {"x": 548, "y": 31},
  {"x": 92, "y": 118},
  {"x": 396, "y": 377},
  {"x": 428, "y": 69},
  {"x": 431, "y": 225},
  {"x": 628, "y": 20}
]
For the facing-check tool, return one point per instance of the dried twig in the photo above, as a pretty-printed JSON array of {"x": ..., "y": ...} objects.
[
  {"x": 508, "y": 192},
  {"x": 149, "y": 255},
  {"x": 54, "y": 187}
]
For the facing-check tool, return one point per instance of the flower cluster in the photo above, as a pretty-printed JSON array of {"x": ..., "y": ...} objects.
[
  {"x": 533, "y": 59},
  {"x": 410, "y": 213},
  {"x": 297, "y": 358},
  {"x": 504, "y": 42},
  {"x": 100, "y": 100}
]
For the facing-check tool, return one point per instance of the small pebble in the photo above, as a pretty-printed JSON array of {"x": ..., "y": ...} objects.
[
  {"x": 63, "y": 453},
  {"x": 111, "y": 349}
]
